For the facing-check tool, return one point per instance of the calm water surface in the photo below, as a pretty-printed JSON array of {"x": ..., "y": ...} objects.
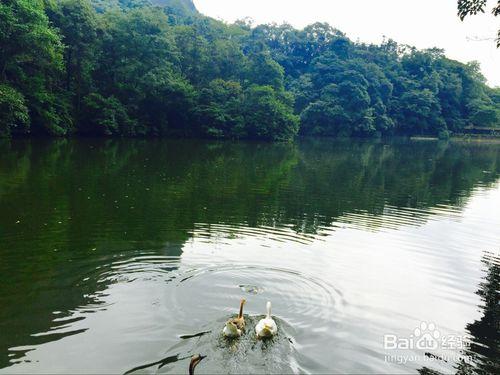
[{"x": 130, "y": 254}]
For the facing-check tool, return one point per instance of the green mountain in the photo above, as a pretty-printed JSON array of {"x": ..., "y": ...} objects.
[
  {"x": 185, "y": 6},
  {"x": 180, "y": 7}
]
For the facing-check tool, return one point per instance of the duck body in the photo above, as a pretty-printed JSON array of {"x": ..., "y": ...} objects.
[
  {"x": 235, "y": 326},
  {"x": 266, "y": 327},
  {"x": 231, "y": 330}
]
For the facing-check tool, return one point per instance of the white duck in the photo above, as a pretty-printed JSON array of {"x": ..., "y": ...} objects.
[{"x": 266, "y": 327}]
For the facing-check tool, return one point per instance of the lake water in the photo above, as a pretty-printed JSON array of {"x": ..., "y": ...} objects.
[{"x": 122, "y": 254}]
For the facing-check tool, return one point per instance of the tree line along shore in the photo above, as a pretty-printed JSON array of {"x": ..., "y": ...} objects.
[{"x": 136, "y": 68}]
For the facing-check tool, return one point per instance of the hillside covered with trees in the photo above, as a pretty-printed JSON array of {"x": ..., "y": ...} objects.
[{"x": 132, "y": 68}]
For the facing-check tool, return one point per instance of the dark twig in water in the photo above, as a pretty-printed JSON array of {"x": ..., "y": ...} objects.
[
  {"x": 161, "y": 363},
  {"x": 195, "y": 360},
  {"x": 194, "y": 335}
]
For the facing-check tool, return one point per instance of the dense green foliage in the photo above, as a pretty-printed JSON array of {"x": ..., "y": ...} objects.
[{"x": 126, "y": 67}]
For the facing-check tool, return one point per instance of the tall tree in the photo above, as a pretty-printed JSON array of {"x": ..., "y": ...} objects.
[
  {"x": 31, "y": 66},
  {"x": 77, "y": 22}
]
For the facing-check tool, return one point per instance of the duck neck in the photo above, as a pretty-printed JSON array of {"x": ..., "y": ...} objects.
[
  {"x": 240, "y": 315},
  {"x": 268, "y": 306},
  {"x": 192, "y": 365}
]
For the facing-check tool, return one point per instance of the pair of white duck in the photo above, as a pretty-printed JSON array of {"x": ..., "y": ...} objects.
[{"x": 265, "y": 328}]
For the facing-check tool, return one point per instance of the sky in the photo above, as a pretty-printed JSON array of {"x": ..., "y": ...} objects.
[{"x": 422, "y": 23}]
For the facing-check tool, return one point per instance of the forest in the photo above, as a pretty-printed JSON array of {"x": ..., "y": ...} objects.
[{"x": 160, "y": 68}]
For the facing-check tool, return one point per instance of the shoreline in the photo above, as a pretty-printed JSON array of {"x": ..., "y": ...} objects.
[
  {"x": 460, "y": 138},
  {"x": 418, "y": 138}
]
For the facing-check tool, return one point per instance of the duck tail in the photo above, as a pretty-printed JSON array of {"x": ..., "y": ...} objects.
[
  {"x": 242, "y": 303},
  {"x": 268, "y": 307}
]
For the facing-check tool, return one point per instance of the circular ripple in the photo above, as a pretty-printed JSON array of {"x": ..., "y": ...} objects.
[
  {"x": 135, "y": 268},
  {"x": 300, "y": 299},
  {"x": 201, "y": 292},
  {"x": 190, "y": 303}
]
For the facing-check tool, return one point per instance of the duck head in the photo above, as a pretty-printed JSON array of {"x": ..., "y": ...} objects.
[{"x": 194, "y": 362}]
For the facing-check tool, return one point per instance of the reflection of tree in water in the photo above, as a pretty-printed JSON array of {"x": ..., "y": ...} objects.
[
  {"x": 68, "y": 207},
  {"x": 80, "y": 207},
  {"x": 336, "y": 179},
  {"x": 485, "y": 343},
  {"x": 484, "y": 350},
  {"x": 175, "y": 184}
]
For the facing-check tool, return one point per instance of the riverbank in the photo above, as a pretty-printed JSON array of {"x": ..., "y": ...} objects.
[{"x": 494, "y": 139}]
